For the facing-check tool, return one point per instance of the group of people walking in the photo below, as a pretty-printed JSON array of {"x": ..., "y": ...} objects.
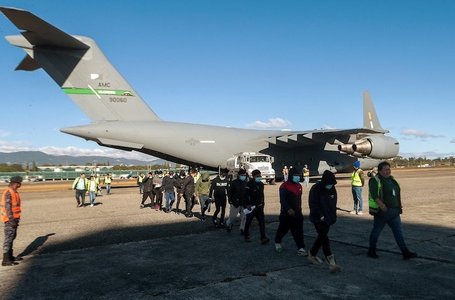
[{"x": 245, "y": 196}]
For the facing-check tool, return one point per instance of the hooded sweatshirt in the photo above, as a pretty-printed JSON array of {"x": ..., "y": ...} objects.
[
  {"x": 323, "y": 201},
  {"x": 203, "y": 184}
]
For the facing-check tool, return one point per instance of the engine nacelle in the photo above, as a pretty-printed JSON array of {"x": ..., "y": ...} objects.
[
  {"x": 346, "y": 148},
  {"x": 376, "y": 146}
]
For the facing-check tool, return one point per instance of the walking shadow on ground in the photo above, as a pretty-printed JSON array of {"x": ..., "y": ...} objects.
[{"x": 38, "y": 242}]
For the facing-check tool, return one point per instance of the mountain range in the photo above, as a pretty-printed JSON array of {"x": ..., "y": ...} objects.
[{"x": 41, "y": 158}]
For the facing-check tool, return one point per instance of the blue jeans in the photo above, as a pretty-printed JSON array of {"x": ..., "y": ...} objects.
[
  {"x": 92, "y": 195},
  {"x": 108, "y": 188},
  {"x": 170, "y": 198},
  {"x": 306, "y": 181},
  {"x": 392, "y": 218},
  {"x": 357, "y": 196}
]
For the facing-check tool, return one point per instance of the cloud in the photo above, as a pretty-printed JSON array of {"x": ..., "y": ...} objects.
[
  {"x": 419, "y": 134},
  {"x": 271, "y": 123},
  {"x": 452, "y": 140},
  {"x": 325, "y": 126}
]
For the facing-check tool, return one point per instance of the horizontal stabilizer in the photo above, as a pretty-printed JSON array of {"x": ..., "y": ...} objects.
[{"x": 40, "y": 33}]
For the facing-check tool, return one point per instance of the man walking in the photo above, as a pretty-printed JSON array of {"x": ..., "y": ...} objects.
[
  {"x": 236, "y": 196},
  {"x": 385, "y": 205},
  {"x": 291, "y": 217},
  {"x": 218, "y": 191},
  {"x": 11, "y": 214},
  {"x": 80, "y": 185},
  {"x": 254, "y": 206}
]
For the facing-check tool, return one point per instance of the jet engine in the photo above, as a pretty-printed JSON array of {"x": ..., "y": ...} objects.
[{"x": 374, "y": 146}]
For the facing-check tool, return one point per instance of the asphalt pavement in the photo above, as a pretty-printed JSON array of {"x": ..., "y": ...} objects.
[{"x": 115, "y": 250}]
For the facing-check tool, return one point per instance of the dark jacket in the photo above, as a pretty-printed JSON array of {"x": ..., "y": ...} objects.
[
  {"x": 179, "y": 184},
  {"x": 323, "y": 203},
  {"x": 255, "y": 194},
  {"x": 291, "y": 197},
  {"x": 237, "y": 192},
  {"x": 147, "y": 184},
  {"x": 168, "y": 184},
  {"x": 188, "y": 185},
  {"x": 219, "y": 187}
]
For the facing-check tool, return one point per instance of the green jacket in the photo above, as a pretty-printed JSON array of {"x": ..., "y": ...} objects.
[{"x": 203, "y": 184}]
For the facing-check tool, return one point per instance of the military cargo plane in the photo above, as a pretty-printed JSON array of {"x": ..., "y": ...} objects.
[{"x": 121, "y": 119}]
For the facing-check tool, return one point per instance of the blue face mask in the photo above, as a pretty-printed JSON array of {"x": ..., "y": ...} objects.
[
  {"x": 242, "y": 177},
  {"x": 329, "y": 186},
  {"x": 296, "y": 178},
  {"x": 258, "y": 179}
]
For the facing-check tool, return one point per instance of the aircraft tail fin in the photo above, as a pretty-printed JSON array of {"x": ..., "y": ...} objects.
[
  {"x": 370, "y": 118},
  {"x": 79, "y": 67}
]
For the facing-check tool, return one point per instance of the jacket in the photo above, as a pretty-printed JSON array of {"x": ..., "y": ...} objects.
[
  {"x": 291, "y": 197},
  {"x": 203, "y": 185},
  {"x": 147, "y": 184},
  {"x": 188, "y": 185},
  {"x": 323, "y": 203},
  {"x": 237, "y": 192},
  {"x": 219, "y": 187},
  {"x": 168, "y": 184}
]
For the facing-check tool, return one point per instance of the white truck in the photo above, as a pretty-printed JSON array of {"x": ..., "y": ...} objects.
[{"x": 251, "y": 161}]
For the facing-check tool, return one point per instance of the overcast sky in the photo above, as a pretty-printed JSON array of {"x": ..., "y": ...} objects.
[{"x": 251, "y": 64}]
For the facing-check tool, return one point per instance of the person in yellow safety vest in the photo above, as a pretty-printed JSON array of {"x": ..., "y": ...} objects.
[
  {"x": 385, "y": 205},
  {"x": 80, "y": 185},
  {"x": 99, "y": 185},
  {"x": 357, "y": 182},
  {"x": 92, "y": 189},
  {"x": 306, "y": 176},
  {"x": 11, "y": 214},
  {"x": 107, "y": 183}
]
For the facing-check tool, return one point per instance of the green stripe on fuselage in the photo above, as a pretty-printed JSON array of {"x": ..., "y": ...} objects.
[{"x": 86, "y": 91}]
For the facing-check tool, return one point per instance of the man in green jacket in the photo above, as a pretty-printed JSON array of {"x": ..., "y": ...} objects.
[{"x": 385, "y": 205}]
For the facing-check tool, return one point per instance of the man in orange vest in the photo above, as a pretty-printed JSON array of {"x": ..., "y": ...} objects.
[{"x": 11, "y": 214}]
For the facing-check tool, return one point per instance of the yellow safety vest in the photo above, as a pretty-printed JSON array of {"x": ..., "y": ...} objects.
[
  {"x": 355, "y": 178},
  {"x": 373, "y": 205},
  {"x": 306, "y": 172}
]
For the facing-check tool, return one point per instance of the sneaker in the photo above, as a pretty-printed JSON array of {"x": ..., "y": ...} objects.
[
  {"x": 315, "y": 260},
  {"x": 79, "y": 205},
  {"x": 141, "y": 206},
  {"x": 91, "y": 205},
  {"x": 302, "y": 252},
  {"x": 278, "y": 248},
  {"x": 353, "y": 212},
  {"x": 265, "y": 240},
  {"x": 360, "y": 212},
  {"x": 408, "y": 255},
  {"x": 215, "y": 221}
]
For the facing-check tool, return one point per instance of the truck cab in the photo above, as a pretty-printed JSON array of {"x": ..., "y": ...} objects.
[{"x": 251, "y": 161}]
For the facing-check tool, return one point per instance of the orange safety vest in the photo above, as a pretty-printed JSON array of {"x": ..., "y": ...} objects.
[{"x": 15, "y": 205}]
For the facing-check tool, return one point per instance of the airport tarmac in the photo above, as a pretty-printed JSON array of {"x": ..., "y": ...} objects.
[{"x": 115, "y": 250}]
